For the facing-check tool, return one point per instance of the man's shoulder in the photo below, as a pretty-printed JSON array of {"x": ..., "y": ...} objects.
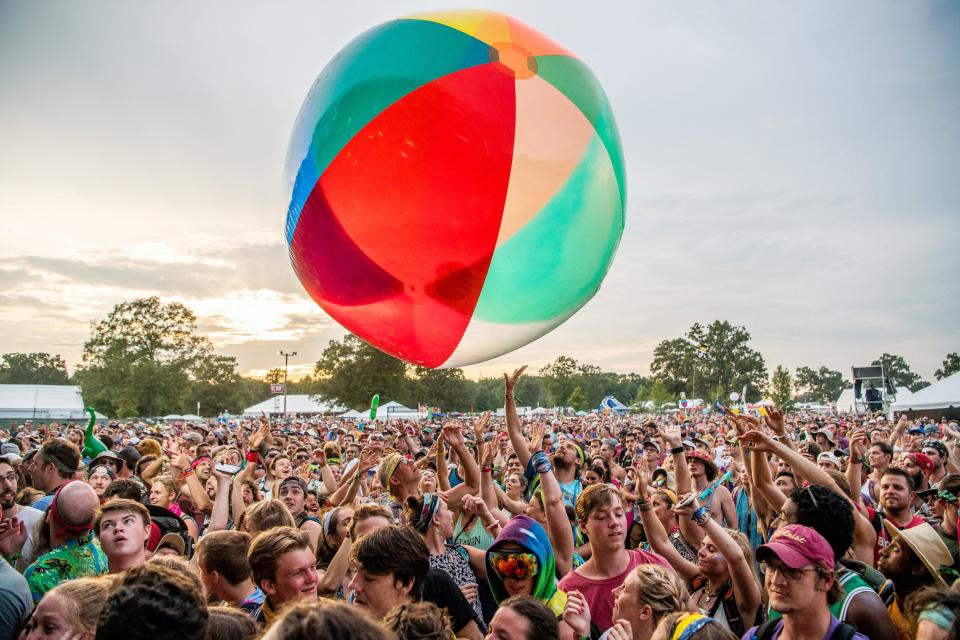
[{"x": 639, "y": 556}]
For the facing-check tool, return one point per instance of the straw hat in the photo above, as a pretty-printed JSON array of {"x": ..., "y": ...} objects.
[{"x": 926, "y": 544}]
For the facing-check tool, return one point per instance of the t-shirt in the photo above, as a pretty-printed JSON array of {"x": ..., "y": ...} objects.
[
  {"x": 571, "y": 491},
  {"x": 599, "y": 593},
  {"x": 441, "y": 590},
  {"x": 883, "y": 536},
  {"x": 15, "y": 600},
  {"x": 834, "y": 623}
]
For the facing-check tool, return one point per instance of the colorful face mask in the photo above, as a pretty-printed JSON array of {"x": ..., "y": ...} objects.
[{"x": 513, "y": 565}]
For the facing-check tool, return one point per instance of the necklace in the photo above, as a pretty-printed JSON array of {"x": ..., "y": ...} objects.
[{"x": 708, "y": 597}]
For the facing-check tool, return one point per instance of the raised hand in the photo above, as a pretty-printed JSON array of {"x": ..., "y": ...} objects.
[
  {"x": 452, "y": 434},
  {"x": 510, "y": 382},
  {"x": 480, "y": 425},
  {"x": 368, "y": 458},
  {"x": 773, "y": 418},
  {"x": 537, "y": 431},
  {"x": 577, "y": 613},
  {"x": 13, "y": 535},
  {"x": 758, "y": 441},
  {"x": 858, "y": 445},
  {"x": 686, "y": 509},
  {"x": 488, "y": 453},
  {"x": 672, "y": 435}
]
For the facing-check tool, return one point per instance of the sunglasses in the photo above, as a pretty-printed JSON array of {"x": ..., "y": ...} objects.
[
  {"x": 513, "y": 565},
  {"x": 783, "y": 570}
]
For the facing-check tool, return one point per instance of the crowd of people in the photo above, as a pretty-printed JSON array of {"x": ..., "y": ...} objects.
[{"x": 711, "y": 524}]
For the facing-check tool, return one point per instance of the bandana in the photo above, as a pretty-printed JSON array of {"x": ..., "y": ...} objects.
[
  {"x": 75, "y": 530},
  {"x": 196, "y": 463},
  {"x": 431, "y": 502},
  {"x": 688, "y": 625}
]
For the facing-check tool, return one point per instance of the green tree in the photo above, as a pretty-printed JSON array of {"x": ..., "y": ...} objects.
[
  {"x": 951, "y": 364},
  {"x": 559, "y": 378},
  {"x": 577, "y": 399},
  {"x": 444, "y": 388},
  {"x": 32, "y": 368},
  {"x": 711, "y": 357},
  {"x": 781, "y": 388},
  {"x": 641, "y": 397},
  {"x": 350, "y": 371},
  {"x": 823, "y": 385},
  {"x": 488, "y": 394},
  {"x": 660, "y": 395},
  {"x": 274, "y": 376},
  {"x": 218, "y": 387},
  {"x": 139, "y": 359},
  {"x": 897, "y": 369}
]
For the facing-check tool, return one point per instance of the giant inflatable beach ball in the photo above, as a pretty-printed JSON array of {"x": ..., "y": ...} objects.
[{"x": 456, "y": 187}]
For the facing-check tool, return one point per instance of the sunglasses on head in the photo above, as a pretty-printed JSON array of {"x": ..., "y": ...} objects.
[{"x": 515, "y": 565}]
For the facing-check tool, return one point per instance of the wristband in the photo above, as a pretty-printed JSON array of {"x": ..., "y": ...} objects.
[
  {"x": 541, "y": 462},
  {"x": 676, "y": 450},
  {"x": 645, "y": 506},
  {"x": 253, "y": 456},
  {"x": 186, "y": 473},
  {"x": 700, "y": 516},
  {"x": 486, "y": 469}
]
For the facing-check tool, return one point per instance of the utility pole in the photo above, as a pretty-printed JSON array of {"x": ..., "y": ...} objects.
[{"x": 286, "y": 360}]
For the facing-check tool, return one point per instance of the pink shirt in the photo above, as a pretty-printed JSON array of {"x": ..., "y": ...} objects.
[{"x": 599, "y": 593}]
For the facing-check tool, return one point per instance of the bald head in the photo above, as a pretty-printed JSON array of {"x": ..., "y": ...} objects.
[{"x": 77, "y": 503}]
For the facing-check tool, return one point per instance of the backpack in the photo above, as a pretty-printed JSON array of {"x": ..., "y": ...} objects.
[
  {"x": 874, "y": 579},
  {"x": 844, "y": 631}
]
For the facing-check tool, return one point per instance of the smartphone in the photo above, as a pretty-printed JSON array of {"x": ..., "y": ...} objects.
[{"x": 229, "y": 469}]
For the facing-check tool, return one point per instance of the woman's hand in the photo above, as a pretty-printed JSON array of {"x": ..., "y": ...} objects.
[{"x": 577, "y": 613}]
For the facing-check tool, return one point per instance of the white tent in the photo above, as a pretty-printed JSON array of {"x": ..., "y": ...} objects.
[
  {"x": 301, "y": 404},
  {"x": 393, "y": 410},
  {"x": 944, "y": 394},
  {"x": 353, "y": 414},
  {"x": 845, "y": 401},
  {"x": 41, "y": 402}
]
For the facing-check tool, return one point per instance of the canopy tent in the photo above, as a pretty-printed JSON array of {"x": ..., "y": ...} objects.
[
  {"x": 393, "y": 410},
  {"x": 42, "y": 402},
  {"x": 353, "y": 414},
  {"x": 612, "y": 404},
  {"x": 941, "y": 395},
  {"x": 301, "y": 404},
  {"x": 845, "y": 403}
]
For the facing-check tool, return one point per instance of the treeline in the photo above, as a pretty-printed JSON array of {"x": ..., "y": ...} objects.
[{"x": 147, "y": 358}]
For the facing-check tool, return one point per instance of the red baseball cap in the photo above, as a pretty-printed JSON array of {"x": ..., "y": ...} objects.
[{"x": 798, "y": 546}]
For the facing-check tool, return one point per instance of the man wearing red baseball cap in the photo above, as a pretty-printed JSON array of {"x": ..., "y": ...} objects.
[{"x": 798, "y": 567}]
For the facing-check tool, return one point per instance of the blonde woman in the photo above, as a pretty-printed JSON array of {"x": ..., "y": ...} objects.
[{"x": 70, "y": 610}]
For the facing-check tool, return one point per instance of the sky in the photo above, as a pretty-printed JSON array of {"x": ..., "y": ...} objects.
[{"x": 791, "y": 168}]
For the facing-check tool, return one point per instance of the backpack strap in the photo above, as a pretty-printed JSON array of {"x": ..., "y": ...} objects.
[
  {"x": 877, "y": 522},
  {"x": 844, "y": 631},
  {"x": 766, "y": 630}
]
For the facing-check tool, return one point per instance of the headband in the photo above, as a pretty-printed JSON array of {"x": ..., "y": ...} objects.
[
  {"x": 688, "y": 625},
  {"x": 431, "y": 502},
  {"x": 57, "y": 462},
  {"x": 196, "y": 463},
  {"x": 73, "y": 529},
  {"x": 328, "y": 520}
]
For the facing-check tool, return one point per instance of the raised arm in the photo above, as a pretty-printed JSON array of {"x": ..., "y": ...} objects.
[
  {"x": 336, "y": 571},
  {"x": 657, "y": 535},
  {"x": 558, "y": 525},
  {"x": 674, "y": 439},
  {"x": 221, "y": 505},
  {"x": 443, "y": 472},
  {"x": 746, "y": 589},
  {"x": 513, "y": 420}
]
